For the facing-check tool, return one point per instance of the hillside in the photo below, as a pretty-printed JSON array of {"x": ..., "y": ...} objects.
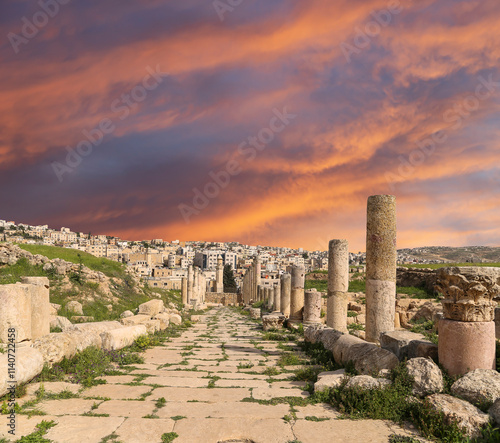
[
  {"x": 104, "y": 287},
  {"x": 487, "y": 255}
]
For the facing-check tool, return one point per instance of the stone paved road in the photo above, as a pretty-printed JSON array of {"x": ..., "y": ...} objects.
[{"x": 200, "y": 407}]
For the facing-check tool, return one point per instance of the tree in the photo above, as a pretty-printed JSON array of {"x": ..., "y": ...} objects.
[
  {"x": 229, "y": 281},
  {"x": 305, "y": 255}
]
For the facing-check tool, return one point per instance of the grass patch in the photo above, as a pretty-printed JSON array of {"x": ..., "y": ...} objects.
[
  {"x": 169, "y": 437},
  {"x": 38, "y": 435},
  {"x": 414, "y": 292}
]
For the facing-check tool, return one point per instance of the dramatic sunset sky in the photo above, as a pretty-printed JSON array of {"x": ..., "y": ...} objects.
[{"x": 364, "y": 100}]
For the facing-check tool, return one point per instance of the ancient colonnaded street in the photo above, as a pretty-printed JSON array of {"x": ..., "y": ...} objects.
[{"x": 211, "y": 378}]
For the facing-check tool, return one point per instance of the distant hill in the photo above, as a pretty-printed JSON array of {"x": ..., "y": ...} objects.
[{"x": 466, "y": 254}]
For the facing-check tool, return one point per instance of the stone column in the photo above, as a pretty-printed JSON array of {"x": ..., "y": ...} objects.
[
  {"x": 270, "y": 297},
  {"x": 338, "y": 285},
  {"x": 286, "y": 289},
  {"x": 190, "y": 283},
  {"x": 277, "y": 298},
  {"x": 312, "y": 307},
  {"x": 258, "y": 279},
  {"x": 15, "y": 312},
  {"x": 219, "y": 276},
  {"x": 381, "y": 258},
  {"x": 184, "y": 290},
  {"x": 297, "y": 294},
  {"x": 467, "y": 331}
]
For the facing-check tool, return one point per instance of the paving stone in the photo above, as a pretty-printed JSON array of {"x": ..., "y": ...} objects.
[
  {"x": 269, "y": 393},
  {"x": 223, "y": 410},
  {"x": 237, "y": 429},
  {"x": 24, "y": 426},
  {"x": 118, "y": 379},
  {"x": 123, "y": 408},
  {"x": 139, "y": 430},
  {"x": 75, "y": 429},
  {"x": 188, "y": 382},
  {"x": 53, "y": 387},
  {"x": 201, "y": 394},
  {"x": 226, "y": 383},
  {"x": 345, "y": 431},
  {"x": 116, "y": 392},
  {"x": 70, "y": 406}
]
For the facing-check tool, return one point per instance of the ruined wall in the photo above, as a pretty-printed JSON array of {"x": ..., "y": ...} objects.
[
  {"x": 419, "y": 278},
  {"x": 222, "y": 297}
]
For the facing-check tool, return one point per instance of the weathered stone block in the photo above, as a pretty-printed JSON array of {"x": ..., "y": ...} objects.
[
  {"x": 75, "y": 307},
  {"x": 479, "y": 386},
  {"x": 29, "y": 363},
  {"x": 398, "y": 342},
  {"x": 120, "y": 338},
  {"x": 15, "y": 312},
  {"x": 428, "y": 378},
  {"x": 152, "y": 307},
  {"x": 272, "y": 321},
  {"x": 40, "y": 305}
]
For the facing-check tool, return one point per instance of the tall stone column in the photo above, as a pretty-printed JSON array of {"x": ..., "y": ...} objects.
[
  {"x": 190, "y": 283},
  {"x": 277, "y": 298},
  {"x": 381, "y": 257},
  {"x": 219, "y": 279},
  {"x": 184, "y": 290},
  {"x": 297, "y": 295},
  {"x": 257, "y": 276},
  {"x": 338, "y": 284},
  {"x": 312, "y": 307},
  {"x": 286, "y": 289},
  {"x": 270, "y": 297}
]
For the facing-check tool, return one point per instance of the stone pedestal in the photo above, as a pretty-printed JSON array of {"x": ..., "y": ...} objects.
[
  {"x": 381, "y": 256},
  {"x": 465, "y": 346},
  {"x": 297, "y": 294},
  {"x": 219, "y": 277},
  {"x": 312, "y": 307},
  {"x": 286, "y": 289},
  {"x": 338, "y": 284}
]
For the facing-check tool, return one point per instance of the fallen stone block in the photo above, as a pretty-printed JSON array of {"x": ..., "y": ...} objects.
[
  {"x": 121, "y": 338},
  {"x": 29, "y": 363},
  {"x": 75, "y": 307},
  {"x": 423, "y": 348},
  {"x": 152, "y": 308},
  {"x": 15, "y": 312},
  {"x": 467, "y": 416},
  {"x": 152, "y": 326},
  {"x": 329, "y": 380},
  {"x": 126, "y": 314},
  {"x": 135, "y": 320},
  {"x": 428, "y": 378},
  {"x": 367, "y": 357},
  {"x": 175, "y": 319},
  {"x": 367, "y": 382},
  {"x": 478, "y": 387},
  {"x": 398, "y": 342},
  {"x": 60, "y": 322},
  {"x": 273, "y": 321},
  {"x": 55, "y": 346},
  {"x": 164, "y": 320},
  {"x": 255, "y": 313},
  {"x": 40, "y": 305},
  {"x": 97, "y": 327}
]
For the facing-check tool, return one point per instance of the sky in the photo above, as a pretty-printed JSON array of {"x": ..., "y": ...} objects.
[{"x": 266, "y": 122}]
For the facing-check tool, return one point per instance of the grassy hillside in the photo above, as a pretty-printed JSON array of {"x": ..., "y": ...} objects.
[
  {"x": 126, "y": 294},
  {"x": 109, "y": 267}
]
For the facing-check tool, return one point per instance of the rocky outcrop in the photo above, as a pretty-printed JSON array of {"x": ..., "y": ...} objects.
[
  {"x": 428, "y": 378},
  {"x": 479, "y": 386},
  {"x": 467, "y": 416}
]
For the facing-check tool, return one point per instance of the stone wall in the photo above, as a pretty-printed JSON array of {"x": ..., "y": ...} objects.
[
  {"x": 222, "y": 297},
  {"x": 418, "y": 278}
]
